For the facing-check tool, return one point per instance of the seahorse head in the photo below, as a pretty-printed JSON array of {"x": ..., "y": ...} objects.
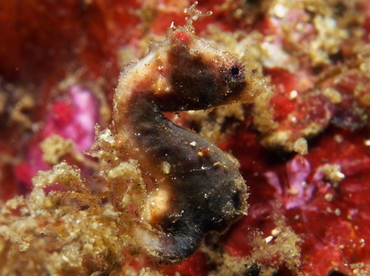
[{"x": 200, "y": 76}]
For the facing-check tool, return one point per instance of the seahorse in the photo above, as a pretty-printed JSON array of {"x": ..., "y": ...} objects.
[{"x": 197, "y": 187}]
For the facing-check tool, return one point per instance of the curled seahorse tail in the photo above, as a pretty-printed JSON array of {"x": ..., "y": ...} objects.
[{"x": 169, "y": 248}]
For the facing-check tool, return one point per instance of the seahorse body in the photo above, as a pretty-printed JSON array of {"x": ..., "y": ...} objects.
[{"x": 198, "y": 188}]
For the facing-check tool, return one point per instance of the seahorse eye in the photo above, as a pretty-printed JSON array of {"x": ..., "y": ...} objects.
[{"x": 234, "y": 71}]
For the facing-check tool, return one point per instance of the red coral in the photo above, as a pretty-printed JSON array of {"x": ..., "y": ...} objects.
[{"x": 329, "y": 219}]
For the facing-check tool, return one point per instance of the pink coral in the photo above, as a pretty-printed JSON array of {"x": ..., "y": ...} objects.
[
  {"x": 72, "y": 117},
  {"x": 293, "y": 191}
]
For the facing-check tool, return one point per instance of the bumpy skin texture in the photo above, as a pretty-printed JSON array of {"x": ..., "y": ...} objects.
[{"x": 198, "y": 188}]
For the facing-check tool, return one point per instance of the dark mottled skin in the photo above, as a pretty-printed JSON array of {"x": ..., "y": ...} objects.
[
  {"x": 203, "y": 189},
  {"x": 206, "y": 192},
  {"x": 195, "y": 88}
]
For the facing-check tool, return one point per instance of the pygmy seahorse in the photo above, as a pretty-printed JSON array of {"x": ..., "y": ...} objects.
[{"x": 197, "y": 187}]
